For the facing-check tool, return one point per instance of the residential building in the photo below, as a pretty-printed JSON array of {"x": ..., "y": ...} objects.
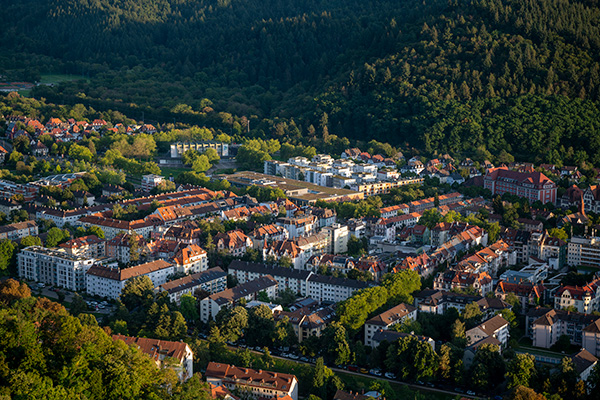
[
  {"x": 584, "y": 363},
  {"x": 304, "y": 225},
  {"x": 461, "y": 280},
  {"x": 54, "y": 267},
  {"x": 308, "y": 321},
  {"x": 109, "y": 282},
  {"x": 319, "y": 243},
  {"x": 288, "y": 249},
  {"x": 331, "y": 289},
  {"x": 386, "y": 335},
  {"x": 439, "y": 301},
  {"x": 151, "y": 181},
  {"x": 18, "y": 230},
  {"x": 591, "y": 337},
  {"x": 267, "y": 233},
  {"x": 396, "y": 315},
  {"x": 90, "y": 246},
  {"x": 584, "y": 250},
  {"x": 234, "y": 242},
  {"x": 550, "y": 326},
  {"x": 165, "y": 354},
  {"x": 293, "y": 279},
  {"x": 496, "y": 327},
  {"x": 529, "y": 294},
  {"x": 256, "y": 384},
  {"x": 549, "y": 249},
  {"x": 338, "y": 236},
  {"x": 191, "y": 259},
  {"x": 585, "y": 299},
  {"x": 490, "y": 259},
  {"x": 212, "y": 280},
  {"x": 186, "y": 232},
  {"x": 211, "y": 305},
  {"x": 120, "y": 247},
  {"x": 534, "y": 186}
]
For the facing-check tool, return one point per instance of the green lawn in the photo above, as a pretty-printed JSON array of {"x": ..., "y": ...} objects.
[
  {"x": 58, "y": 78},
  {"x": 358, "y": 383},
  {"x": 172, "y": 171}
]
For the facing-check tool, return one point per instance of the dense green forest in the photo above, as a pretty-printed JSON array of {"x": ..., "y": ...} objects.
[{"x": 469, "y": 77}]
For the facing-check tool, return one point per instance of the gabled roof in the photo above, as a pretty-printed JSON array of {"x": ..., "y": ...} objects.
[
  {"x": 392, "y": 315},
  {"x": 249, "y": 376},
  {"x": 156, "y": 348}
]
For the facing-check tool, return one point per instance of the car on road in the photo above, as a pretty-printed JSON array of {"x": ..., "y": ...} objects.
[
  {"x": 390, "y": 375},
  {"x": 293, "y": 356},
  {"x": 375, "y": 372},
  {"x": 471, "y": 393}
]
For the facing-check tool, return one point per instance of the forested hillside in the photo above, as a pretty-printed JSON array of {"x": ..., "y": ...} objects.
[{"x": 468, "y": 77}]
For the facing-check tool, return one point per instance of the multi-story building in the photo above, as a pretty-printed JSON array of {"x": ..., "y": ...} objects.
[
  {"x": 53, "y": 267},
  {"x": 233, "y": 242},
  {"x": 267, "y": 233},
  {"x": 211, "y": 305},
  {"x": 305, "y": 225},
  {"x": 496, "y": 327},
  {"x": 18, "y": 230},
  {"x": 288, "y": 249},
  {"x": 584, "y": 251},
  {"x": 293, "y": 279},
  {"x": 461, "y": 280},
  {"x": 109, "y": 282},
  {"x": 191, "y": 259},
  {"x": 120, "y": 246},
  {"x": 151, "y": 181},
  {"x": 338, "y": 238},
  {"x": 549, "y": 249},
  {"x": 585, "y": 299},
  {"x": 331, "y": 289},
  {"x": 308, "y": 321},
  {"x": 177, "y": 149},
  {"x": 534, "y": 186},
  {"x": 550, "y": 326},
  {"x": 255, "y": 384},
  {"x": 211, "y": 281},
  {"x": 528, "y": 294},
  {"x": 90, "y": 246},
  {"x": 591, "y": 337},
  {"x": 113, "y": 227},
  {"x": 396, "y": 315},
  {"x": 165, "y": 354}
]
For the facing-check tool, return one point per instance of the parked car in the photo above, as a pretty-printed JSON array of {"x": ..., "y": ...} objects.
[
  {"x": 364, "y": 371},
  {"x": 375, "y": 372},
  {"x": 390, "y": 375},
  {"x": 471, "y": 393}
]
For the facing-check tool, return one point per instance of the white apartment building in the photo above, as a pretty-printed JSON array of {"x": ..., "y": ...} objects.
[
  {"x": 18, "y": 230},
  {"x": 53, "y": 267},
  {"x": 331, "y": 289},
  {"x": 211, "y": 305},
  {"x": 396, "y": 315},
  {"x": 109, "y": 282},
  {"x": 338, "y": 238},
  {"x": 212, "y": 281},
  {"x": 584, "y": 251}
]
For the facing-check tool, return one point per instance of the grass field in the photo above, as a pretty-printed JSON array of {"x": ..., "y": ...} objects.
[
  {"x": 172, "y": 171},
  {"x": 58, "y": 78}
]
